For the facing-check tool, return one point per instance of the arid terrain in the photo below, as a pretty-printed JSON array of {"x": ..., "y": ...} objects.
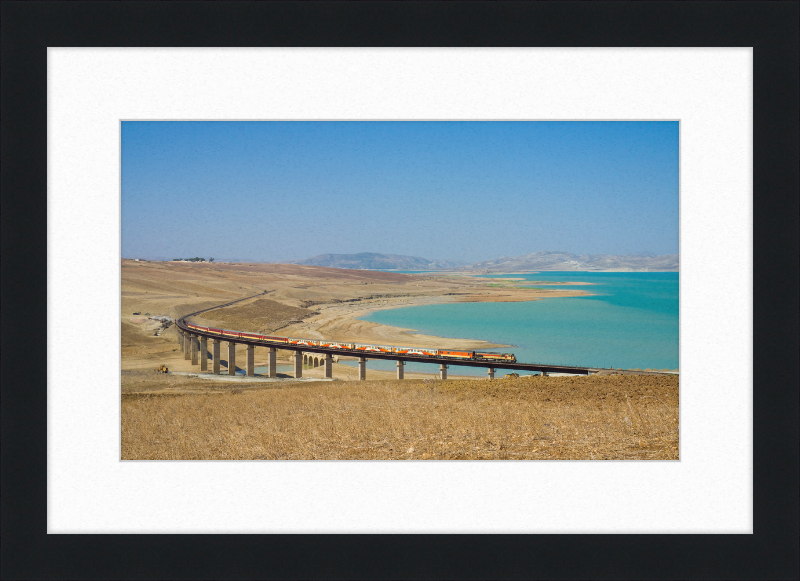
[
  {"x": 185, "y": 415},
  {"x": 301, "y": 301},
  {"x": 599, "y": 417}
]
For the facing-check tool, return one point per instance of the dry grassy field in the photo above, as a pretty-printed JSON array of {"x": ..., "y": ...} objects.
[{"x": 602, "y": 417}]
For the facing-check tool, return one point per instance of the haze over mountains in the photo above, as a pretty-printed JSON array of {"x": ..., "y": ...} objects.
[
  {"x": 374, "y": 261},
  {"x": 567, "y": 261},
  {"x": 544, "y": 260}
]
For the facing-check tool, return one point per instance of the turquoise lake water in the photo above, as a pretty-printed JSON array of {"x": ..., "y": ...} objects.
[
  {"x": 288, "y": 369},
  {"x": 632, "y": 321}
]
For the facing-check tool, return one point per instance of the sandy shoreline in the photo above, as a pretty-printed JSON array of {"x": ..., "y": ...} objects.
[{"x": 343, "y": 322}]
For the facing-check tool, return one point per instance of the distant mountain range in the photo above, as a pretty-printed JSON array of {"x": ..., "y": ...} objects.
[
  {"x": 527, "y": 262},
  {"x": 567, "y": 261},
  {"x": 373, "y": 261}
]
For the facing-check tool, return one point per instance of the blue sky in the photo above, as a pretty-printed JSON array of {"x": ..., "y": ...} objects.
[{"x": 468, "y": 191}]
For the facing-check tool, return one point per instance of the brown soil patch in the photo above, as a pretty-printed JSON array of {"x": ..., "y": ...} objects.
[
  {"x": 260, "y": 315},
  {"x": 518, "y": 296}
]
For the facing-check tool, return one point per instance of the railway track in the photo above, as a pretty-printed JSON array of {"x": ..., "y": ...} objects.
[{"x": 544, "y": 368}]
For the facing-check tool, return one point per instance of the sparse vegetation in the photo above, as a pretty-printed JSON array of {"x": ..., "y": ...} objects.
[{"x": 599, "y": 417}]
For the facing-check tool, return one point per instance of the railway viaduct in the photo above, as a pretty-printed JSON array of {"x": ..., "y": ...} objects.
[{"x": 194, "y": 345}]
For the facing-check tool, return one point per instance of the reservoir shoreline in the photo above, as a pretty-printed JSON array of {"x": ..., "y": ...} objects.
[
  {"x": 629, "y": 321},
  {"x": 325, "y": 303}
]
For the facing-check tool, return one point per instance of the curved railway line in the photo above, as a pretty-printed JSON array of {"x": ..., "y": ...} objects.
[{"x": 309, "y": 346}]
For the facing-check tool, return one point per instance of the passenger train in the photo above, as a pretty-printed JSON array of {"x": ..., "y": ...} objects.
[{"x": 360, "y": 347}]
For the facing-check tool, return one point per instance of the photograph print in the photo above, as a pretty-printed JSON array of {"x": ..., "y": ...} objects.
[{"x": 399, "y": 290}]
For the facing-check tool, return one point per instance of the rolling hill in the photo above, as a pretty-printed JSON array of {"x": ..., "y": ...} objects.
[{"x": 545, "y": 260}]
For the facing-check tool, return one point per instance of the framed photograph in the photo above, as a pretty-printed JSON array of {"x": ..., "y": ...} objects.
[{"x": 104, "y": 79}]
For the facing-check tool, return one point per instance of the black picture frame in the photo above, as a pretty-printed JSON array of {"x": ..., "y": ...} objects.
[{"x": 28, "y": 28}]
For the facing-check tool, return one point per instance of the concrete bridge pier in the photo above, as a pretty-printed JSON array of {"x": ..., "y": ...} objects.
[
  {"x": 180, "y": 339},
  {"x": 443, "y": 371},
  {"x": 328, "y": 363},
  {"x": 544, "y": 374},
  {"x": 273, "y": 358},
  {"x": 490, "y": 371},
  {"x": 251, "y": 360},
  {"x": 203, "y": 353},
  {"x": 298, "y": 364},
  {"x": 231, "y": 358},
  {"x": 400, "y": 367},
  {"x": 187, "y": 340},
  {"x": 362, "y": 368},
  {"x": 215, "y": 356},
  {"x": 195, "y": 349}
]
